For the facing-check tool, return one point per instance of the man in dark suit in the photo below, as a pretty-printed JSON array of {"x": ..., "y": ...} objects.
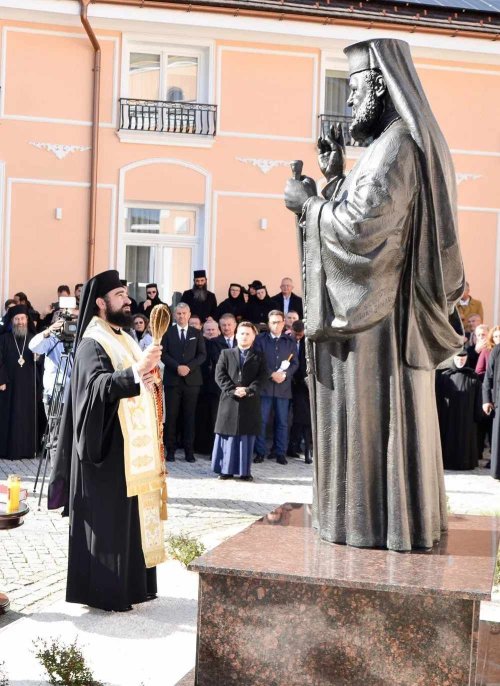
[
  {"x": 287, "y": 300},
  {"x": 183, "y": 354},
  {"x": 201, "y": 301},
  {"x": 280, "y": 352}
]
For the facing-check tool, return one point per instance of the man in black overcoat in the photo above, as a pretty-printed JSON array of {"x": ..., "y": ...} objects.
[{"x": 183, "y": 354}]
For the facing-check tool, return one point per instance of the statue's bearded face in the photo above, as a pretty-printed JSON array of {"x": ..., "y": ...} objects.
[{"x": 367, "y": 105}]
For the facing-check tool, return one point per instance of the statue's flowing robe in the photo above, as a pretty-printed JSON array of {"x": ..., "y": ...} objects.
[{"x": 377, "y": 321}]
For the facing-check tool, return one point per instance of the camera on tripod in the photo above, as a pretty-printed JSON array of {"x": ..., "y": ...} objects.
[{"x": 67, "y": 332}]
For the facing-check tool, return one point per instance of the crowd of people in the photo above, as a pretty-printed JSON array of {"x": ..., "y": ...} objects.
[
  {"x": 234, "y": 376},
  {"x": 202, "y": 329}
]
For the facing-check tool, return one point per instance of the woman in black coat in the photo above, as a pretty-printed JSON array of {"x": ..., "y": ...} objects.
[
  {"x": 240, "y": 374},
  {"x": 234, "y": 303},
  {"x": 258, "y": 308}
]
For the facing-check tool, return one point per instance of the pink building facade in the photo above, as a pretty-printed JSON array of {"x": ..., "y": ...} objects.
[{"x": 200, "y": 116}]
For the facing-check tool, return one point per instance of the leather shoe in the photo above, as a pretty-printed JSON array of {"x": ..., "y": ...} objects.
[
  {"x": 224, "y": 477},
  {"x": 281, "y": 459},
  {"x": 170, "y": 457},
  {"x": 190, "y": 458},
  {"x": 258, "y": 458},
  {"x": 308, "y": 460},
  {"x": 246, "y": 478},
  {"x": 292, "y": 453}
]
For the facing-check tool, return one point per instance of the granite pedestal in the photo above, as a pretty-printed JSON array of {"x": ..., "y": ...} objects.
[{"x": 280, "y": 607}]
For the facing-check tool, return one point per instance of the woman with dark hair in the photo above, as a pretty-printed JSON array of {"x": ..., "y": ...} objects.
[
  {"x": 234, "y": 303},
  {"x": 240, "y": 374},
  {"x": 258, "y": 308}
]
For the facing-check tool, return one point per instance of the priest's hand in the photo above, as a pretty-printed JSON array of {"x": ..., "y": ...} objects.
[
  {"x": 149, "y": 380},
  {"x": 488, "y": 408},
  {"x": 331, "y": 153},
  {"x": 183, "y": 370},
  {"x": 3, "y": 387},
  {"x": 240, "y": 391},
  {"x": 149, "y": 359}
]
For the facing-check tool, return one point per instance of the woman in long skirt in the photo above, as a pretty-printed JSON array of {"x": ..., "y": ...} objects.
[{"x": 240, "y": 373}]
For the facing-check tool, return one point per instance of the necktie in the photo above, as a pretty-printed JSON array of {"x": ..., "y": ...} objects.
[
  {"x": 229, "y": 343},
  {"x": 183, "y": 336}
]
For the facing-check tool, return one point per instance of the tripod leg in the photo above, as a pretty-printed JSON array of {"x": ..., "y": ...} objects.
[{"x": 46, "y": 457}]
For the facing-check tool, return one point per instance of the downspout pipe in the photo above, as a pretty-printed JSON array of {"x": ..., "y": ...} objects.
[{"x": 94, "y": 160}]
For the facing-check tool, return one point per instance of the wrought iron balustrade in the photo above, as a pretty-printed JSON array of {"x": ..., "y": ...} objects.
[
  {"x": 326, "y": 121},
  {"x": 168, "y": 117}
]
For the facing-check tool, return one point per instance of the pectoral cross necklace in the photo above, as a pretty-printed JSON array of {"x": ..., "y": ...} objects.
[{"x": 21, "y": 359}]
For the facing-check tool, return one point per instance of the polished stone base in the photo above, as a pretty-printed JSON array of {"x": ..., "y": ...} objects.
[{"x": 279, "y": 606}]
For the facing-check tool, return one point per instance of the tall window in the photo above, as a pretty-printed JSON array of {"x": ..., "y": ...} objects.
[
  {"x": 336, "y": 93},
  {"x": 161, "y": 246},
  {"x": 172, "y": 75}
]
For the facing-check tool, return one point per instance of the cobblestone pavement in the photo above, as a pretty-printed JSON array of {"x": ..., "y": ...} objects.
[{"x": 33, "y": 556}]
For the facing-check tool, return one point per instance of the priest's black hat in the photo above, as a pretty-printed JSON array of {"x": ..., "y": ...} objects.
[
  {"x": 16, "y": 309},
  {"x": 96, "y": 287},
  {"x": 199, "y": 274}
]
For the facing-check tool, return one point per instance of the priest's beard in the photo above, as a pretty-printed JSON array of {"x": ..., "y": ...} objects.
[
  {"x": 366, "y": 115},
  {"x": 120, "y": 317},
  {"x": 20, "y": 330},
  {"x": 200, "y": 293}
]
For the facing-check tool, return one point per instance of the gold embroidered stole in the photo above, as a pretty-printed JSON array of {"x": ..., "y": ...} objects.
[{"x": 143, "y": 466}]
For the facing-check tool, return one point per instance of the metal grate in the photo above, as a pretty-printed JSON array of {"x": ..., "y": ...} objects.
[
  {"x": 168, "y": 117},
  {"x": 326, "y": 120}
]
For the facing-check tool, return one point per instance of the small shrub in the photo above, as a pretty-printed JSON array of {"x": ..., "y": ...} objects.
[
  {"x": 3, "y": 676},
  {"x": 184, "y": 548},
  {"x": 64, "y": 664}
]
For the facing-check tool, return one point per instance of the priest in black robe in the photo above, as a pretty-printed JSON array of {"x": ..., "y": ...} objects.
[
  {"x": 201, "y": 301},
  {"x": 101, "y": 468},
  {"x": 20, "y": 387},
  {"x": 382, "y": 275},
  {"x": 458, "y": 395}
]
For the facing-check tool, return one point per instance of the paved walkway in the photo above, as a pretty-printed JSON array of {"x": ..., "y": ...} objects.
[{"x": 163, "y": 633}]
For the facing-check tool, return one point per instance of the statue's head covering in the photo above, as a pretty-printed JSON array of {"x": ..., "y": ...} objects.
[
  {"x": 96, "y": 287},
  {"x": 437, "y": 278}
]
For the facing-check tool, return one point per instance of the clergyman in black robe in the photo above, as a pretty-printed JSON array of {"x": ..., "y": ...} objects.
[
  {"x": 106, "y": 561},
  {"x": 201, "y": 301},
  {"x": 458, "y": 396},
  {"x": 382, "y": 275},
  {"x": 20, "y": 388}
]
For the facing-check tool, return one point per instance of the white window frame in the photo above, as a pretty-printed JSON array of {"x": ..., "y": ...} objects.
[
  {"x": 170, "y": 44},
  {"x": 196, "y": 242}
]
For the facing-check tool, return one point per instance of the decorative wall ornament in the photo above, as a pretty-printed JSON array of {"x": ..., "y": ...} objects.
[
  {"x": 265, "y": 166},
  {"x": 466, "y": 177},
  {"x": 60, "y": 151}
]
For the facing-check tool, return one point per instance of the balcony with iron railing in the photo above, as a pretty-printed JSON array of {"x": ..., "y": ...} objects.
[
  {"x": 168, "y": 117},
  {"x": 345, "y": 120}
]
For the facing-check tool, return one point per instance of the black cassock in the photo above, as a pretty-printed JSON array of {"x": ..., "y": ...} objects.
[
  {"x": 106, "y": 566},
  {"x": 458, "y": 396},
  {"x": 19, "y": 403}
]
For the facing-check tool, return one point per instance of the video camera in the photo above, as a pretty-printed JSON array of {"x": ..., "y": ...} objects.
[{"x": 67, "y": 332}]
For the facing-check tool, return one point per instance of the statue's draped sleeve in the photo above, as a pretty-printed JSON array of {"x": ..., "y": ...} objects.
[
  {"x": 359, "y": 249},
  {"x": 354, "y": 245}
]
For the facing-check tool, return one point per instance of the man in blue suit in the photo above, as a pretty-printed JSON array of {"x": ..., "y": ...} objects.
[{"x": 281, "y": 357}]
